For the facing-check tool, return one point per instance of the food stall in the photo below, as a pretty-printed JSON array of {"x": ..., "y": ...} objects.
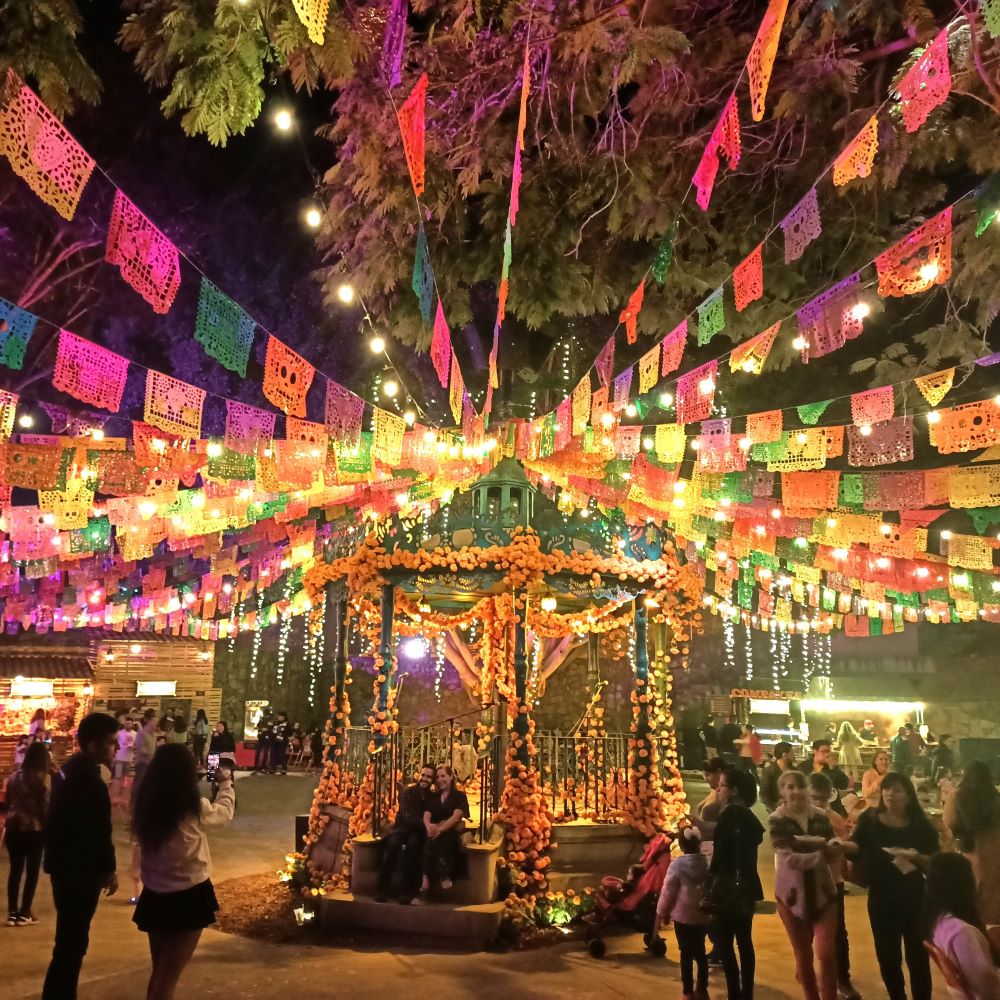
[
  {"x": 56, "y": 678},
  {"x": 775, "y": 715}
]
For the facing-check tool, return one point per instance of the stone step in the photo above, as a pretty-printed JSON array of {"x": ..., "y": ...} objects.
[{"x": 462, "y": 926}]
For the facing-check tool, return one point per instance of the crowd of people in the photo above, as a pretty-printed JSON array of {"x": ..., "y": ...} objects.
[
  {"x": 831, "y": 823},
  {"x": 62, "y": 819}
]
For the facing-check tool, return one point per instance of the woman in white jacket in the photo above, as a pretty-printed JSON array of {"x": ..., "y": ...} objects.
[
  {"x": 680, "y": 902},
  {"x": 804, "y": 886},
  {"x": 956, "y": 930},
  {"x": 177, "y": 901}
]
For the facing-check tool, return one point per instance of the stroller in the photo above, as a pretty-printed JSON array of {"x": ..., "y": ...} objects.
[{"x": 632, "y": 901}]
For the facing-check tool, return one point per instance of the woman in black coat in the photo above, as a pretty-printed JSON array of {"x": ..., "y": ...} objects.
[{"x": 738, "y": 835}]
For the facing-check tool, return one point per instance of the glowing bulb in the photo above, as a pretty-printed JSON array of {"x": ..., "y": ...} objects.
[
  {"x": 996, "y": 586},
  {"x": 147, "y": 509},
  {"x": 135, "y": 649},
  {"x": 961, "y": 579},
  {"x": 607, "y": 419},
  {"x": 630, "y": 410},
  {"x": 414, "y": 648},
  {"x": 800, "y": 343},
  {"x": 213, "y": 449},
  {"x": 283, "y": 119},
  {"x": 929, "y": 272},
  {"x": 25, "y": 420},
  {"x": 865, "y": 430},
  {"x": 746, "y": 443},
  {"x": 923, "y": 572},
  {"x": 97, "y": 434},
  {"x": 945, "y": 535},
  {"x": 749, "y": 366},
  {"x": 313, "y": 218},
  {"x": 346, "y": 294},
  {"x": 802, "y": 437},
  {"x": 377, "y": 345},
  {"x": 390, "y": 388},
  {"x": 410, "y": 417},
  {"x": 198, "y": 500},
  {"x": 680, "y": 485},
  {"x": 695, "y": 444},
  {"x": 647, "y": 443},
  {"x": 831, "y": 522},
  {"x": 666, "y": 399},
  {"x": 933, "y": 417},
  {"x": 776, "y": 512},
  {"x": 548, "y": 604},
  {"x": 839, "y": 553},
  {"x": 860, "y": 311},
  {"x": 886, "y": 529},
  {"x": 430, "y": 437},
  {"x": 706, "y": 385},
  {"x": 882, "y": 562}
]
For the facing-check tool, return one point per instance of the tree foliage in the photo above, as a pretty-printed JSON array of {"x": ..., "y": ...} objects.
[{"x": 624, "y": 96}]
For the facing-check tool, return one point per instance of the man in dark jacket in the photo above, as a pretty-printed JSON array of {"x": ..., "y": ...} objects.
[
  {"x": 729, "y": 733},
  {"x": 79, "y": 851},
  {"x": 279, "y": 748},
  {"x": 403, "y": 845},
  {"x": 263, "y": 757},
  {"x": 784, "y": 760}
]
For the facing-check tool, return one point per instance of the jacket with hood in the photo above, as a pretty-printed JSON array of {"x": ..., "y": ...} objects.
[{"x": 680, "y": 897}]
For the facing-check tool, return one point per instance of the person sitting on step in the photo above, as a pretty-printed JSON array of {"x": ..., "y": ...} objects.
[{"x": 402, "y": 848}]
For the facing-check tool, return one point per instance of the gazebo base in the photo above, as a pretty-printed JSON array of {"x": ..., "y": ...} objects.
[
  {"x": 450, "y": 926},
  {"x": 584, "y": 852}
]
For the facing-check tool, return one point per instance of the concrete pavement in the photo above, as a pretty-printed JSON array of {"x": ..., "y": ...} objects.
[{"x": 227, "y": 967}]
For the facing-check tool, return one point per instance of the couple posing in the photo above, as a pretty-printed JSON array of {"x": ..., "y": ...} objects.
[{"x": 425, "y": 841}]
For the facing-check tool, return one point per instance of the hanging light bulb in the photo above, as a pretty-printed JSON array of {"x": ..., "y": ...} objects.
[
  {"x": 346, "y": 293},
  {"x": 313, "y": 217},
  {"x": 376, "y": 344},
  {"x": 648, "y": 443},
  {"x": 410, "y": 417},
  {"x": 390, "y": 387},
  {"x": 749, "y": 366},
  {"x": 666, "y": 399},
  {"x": 860, "y": 311},
  {"x": 865, "y": 430},
  {"x": 933, "y": 417},
  {"x": 800, "y": 343},
  {"x": 25, "y": 420},
  {"x": 283, "y": 120},
  {"x": 929, "y": 272},
  {"x": 706, "y": 385},
  {"x": 630, "y": 410}
]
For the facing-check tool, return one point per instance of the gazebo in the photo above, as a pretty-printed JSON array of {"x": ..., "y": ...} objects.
[{"x": 505, "y": 555}]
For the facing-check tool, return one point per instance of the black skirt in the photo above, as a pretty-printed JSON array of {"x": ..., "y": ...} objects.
[{"x": 187, "y": 910}]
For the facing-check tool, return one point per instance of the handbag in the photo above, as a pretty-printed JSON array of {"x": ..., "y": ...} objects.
[{"x": 722, "y": 895}]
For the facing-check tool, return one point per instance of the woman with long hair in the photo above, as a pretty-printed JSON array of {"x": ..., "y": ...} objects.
[
  {"x": 804, "y": 886},
  {"x": 973, "y": 816},
  {"x": 177, "y": 901},
  {"x": 736, "y": 838},
  {"x": 953, "y": 925},
  {"x": 444, "y": 819},
  {"x": 27, "y": 804},
  {"x": 871, "y": 780},
  {"x": 849, "y": 750},
  {"x": 894, "y": 843}
]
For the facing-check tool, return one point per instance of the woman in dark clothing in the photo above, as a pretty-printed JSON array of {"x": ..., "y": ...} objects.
[
  {"x": 222, "y": 742},
  {"x": 27, "y": 804},
  {"x": 444, "y": 819},
  {"x": 738, "y": 834},
  {"x": 894, "y": 843}
]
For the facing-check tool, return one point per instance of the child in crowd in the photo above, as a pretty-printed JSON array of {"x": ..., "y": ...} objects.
[
  {"x": 680, "y": 902},
  {"x": 820, "y": 794},
  {"x": 957, "y": 933}
]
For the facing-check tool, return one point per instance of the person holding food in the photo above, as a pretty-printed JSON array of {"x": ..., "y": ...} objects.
[{"x": 892, "y": 844}]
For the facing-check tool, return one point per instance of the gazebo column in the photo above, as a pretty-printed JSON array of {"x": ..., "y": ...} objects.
[
  {"x": 383, "y": 685},
  {"x": 335, "y": 640},
  {"x": 521, "y": 726}
]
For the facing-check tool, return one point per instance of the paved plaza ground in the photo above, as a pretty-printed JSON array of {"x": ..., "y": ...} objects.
[{"x": 229, "y": 967}]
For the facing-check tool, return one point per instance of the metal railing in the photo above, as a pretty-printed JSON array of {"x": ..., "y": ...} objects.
[{"x": 583, "y": 776}]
